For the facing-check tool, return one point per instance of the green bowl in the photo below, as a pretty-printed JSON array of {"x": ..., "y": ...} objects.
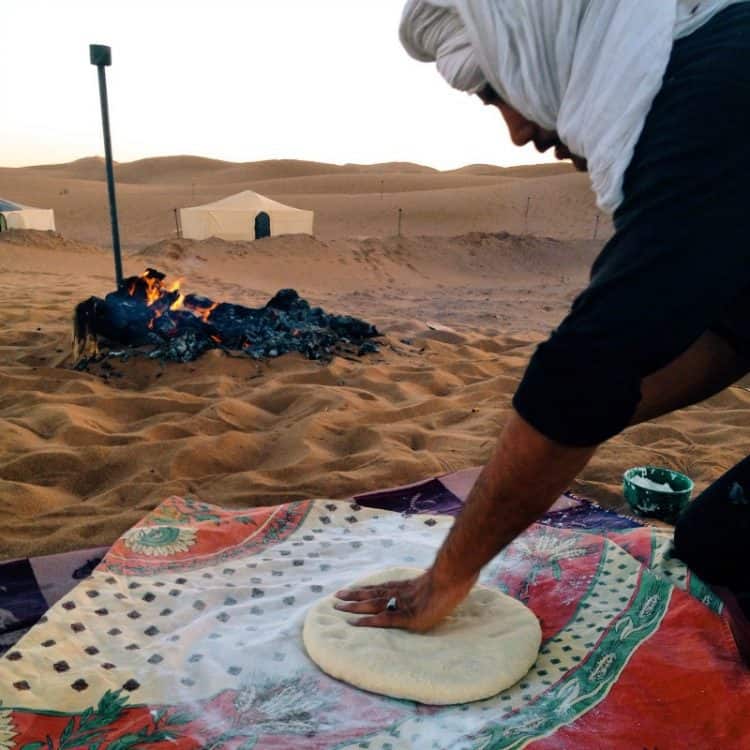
[{"x": 665, "y": 502}]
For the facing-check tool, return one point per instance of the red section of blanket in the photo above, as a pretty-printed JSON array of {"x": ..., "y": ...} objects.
[{"x": 662, "y": 674}]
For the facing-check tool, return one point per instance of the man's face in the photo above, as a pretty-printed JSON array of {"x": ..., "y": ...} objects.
[{"x": 523, "y": 131}]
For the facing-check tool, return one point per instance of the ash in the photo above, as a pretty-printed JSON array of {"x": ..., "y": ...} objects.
[{"x": 287, "y": 323}]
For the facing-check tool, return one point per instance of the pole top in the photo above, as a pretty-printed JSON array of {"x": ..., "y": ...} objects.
[{"x": 100, "y": 54}]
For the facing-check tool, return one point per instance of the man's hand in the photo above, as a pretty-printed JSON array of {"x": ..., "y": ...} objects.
[
  {"x": 421, "y": 603},
  {"x": 524, "y": 476}
]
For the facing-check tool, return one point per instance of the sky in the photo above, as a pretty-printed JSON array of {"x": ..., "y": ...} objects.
[{"x": 239, "y": 80}]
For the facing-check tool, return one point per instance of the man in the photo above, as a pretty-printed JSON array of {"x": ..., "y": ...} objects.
[{"x": 654, "y": 100}]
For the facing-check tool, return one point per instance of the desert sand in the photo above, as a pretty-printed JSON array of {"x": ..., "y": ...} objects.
[{"x": 488, "y": 262}]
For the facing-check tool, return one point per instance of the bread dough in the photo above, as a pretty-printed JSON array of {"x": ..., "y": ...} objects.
[{"x": 488, "y": 644}]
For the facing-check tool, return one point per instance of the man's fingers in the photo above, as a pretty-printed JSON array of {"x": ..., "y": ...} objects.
[
  {"x": 361, "y": 594},
  {"x": 383, "y": 620},
  {"x": 368, "y": 607}
]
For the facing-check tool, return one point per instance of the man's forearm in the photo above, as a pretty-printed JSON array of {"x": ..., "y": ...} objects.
[
  {"x": 525, "y": 475},
  {"x": 527, "y": 472}
]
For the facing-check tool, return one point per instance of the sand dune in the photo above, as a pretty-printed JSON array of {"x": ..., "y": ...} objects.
[
  {"x": 349, "y": 200},
  {"x": 174, "y": 169},
  {"x": 528, "y": 170},
  {"x": 83, "y": 455}
]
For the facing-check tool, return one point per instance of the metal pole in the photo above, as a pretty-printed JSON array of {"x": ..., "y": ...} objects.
[
  {"x": 177, "y": 223},
  {"x": 526, "y": 215},
  {"x": 400, "y": 212},
  {"x": 101, "y": 57}
]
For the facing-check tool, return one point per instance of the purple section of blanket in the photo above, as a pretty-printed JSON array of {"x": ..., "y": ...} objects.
[
  {"x": 29, "y": 587},
  {"x": 430, "y": 497},
  {"x": 446, "y": 495}
]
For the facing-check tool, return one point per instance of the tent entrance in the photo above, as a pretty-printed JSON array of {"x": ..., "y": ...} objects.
[
  {"x": 262, "y": 225},
  {"x": 3, "y": 223}
]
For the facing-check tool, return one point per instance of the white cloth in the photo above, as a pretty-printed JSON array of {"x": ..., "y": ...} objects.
[{"x": 588, "y": 69}]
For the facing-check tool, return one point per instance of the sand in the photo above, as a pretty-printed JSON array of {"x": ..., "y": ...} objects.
[
  {"x": 349, "y": 201},
  {"x": 462, "y": 299}
]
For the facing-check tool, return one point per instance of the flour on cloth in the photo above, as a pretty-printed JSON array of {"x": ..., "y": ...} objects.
[
  {"x": 487, "y": 645},
  {"x": 589, "y": 69},
  {"x": 191, "y": 626}
]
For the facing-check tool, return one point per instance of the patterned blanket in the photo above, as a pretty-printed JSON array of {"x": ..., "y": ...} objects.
[
  {"x": 188, "y": 635},
  {"x": 29, "y": 587}
]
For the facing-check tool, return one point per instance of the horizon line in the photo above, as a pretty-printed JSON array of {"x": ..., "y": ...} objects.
[{"x": 282, "y": 159}]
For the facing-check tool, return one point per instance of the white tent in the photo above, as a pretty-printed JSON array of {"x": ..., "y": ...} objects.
[
  {"x": 244, "y": 216},
  {"x": 16, "y": 216}
]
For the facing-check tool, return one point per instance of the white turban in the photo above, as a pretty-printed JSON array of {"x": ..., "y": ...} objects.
[
  {"x": 431, "y": 33},
  {"x": 589, "y": 69}
]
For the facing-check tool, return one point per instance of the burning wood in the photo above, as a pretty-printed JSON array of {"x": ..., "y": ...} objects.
[{"x": 144, "y": 311}]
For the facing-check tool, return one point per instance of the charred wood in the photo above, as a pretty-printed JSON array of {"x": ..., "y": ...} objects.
[{"x": 141, "y": 313}]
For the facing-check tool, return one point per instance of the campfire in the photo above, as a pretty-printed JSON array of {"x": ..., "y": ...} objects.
[{"x": 147, "y": 312}]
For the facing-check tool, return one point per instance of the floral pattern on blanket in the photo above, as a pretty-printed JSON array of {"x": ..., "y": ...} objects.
[
  {"x": 188, "y": 635},
  {"x": 181, "y": 535}
]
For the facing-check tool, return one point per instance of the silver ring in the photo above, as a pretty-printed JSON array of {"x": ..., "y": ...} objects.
[{"x": 392, "y": 605}]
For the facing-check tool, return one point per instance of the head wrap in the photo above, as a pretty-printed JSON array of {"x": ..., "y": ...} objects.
[
  {"x": 432, "y": 33},
  {"x": 589, "y": 69}
]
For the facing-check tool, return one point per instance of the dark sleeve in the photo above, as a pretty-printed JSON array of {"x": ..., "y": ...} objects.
[
  {"x": 655, "y": 288},
  {"x": 577, "y": 396}
]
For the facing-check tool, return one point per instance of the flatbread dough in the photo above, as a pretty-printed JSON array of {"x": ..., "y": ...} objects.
[{"x": 488, "y": 644}]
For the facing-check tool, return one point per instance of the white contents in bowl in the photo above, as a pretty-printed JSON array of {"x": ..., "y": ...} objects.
[{"x": 649, "y": 484}]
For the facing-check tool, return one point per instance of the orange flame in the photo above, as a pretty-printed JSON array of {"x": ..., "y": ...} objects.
[
  {"x": 203, "y": 312},
  {"x": 155, "y": 290}
]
